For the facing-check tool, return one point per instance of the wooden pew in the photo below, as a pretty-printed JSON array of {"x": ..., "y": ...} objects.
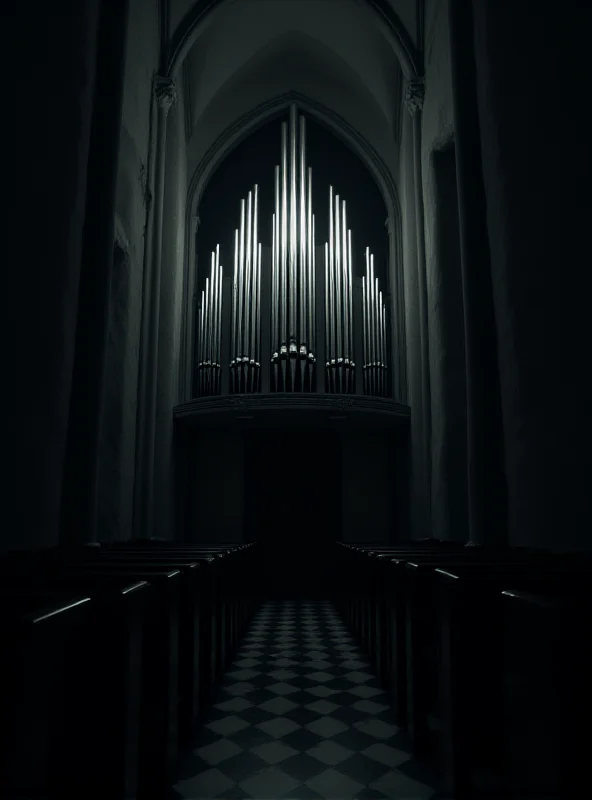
[
  {"x": 471, "y": 664},
  {"x": 161, "y": 701},
  {"x": 546, "y": 695},
  {"x": 424, "y": 664},
  {"x": 233, "y": 599},
  {"x": 74, "y": 672}
]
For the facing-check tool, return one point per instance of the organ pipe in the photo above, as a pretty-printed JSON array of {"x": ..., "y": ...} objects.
[
  {"x": 303, "y": 283},
  {"x": 309, "y": 271},
  {"x": 284, "y": 259},
  {"x": 292, "y": 292},
  {"x": 209, "y": 329}
]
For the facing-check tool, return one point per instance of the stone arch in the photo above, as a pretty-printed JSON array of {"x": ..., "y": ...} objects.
[
  {"x": 203, "y": 11},
  {"x": 248, "y": 124},
  {"x": 228, "y": 140}
]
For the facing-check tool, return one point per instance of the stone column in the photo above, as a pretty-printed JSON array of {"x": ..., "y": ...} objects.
[
  {"x": 190, "y": 305},
  {"x": 165, "y": 94},
  {"x": 81, "y": 466},
  {"x": 414, "y": 95},
  {"x": 487, "y": 494},
  {"x": 398, "y": 334},
  {"x": 394, "y": 317}
]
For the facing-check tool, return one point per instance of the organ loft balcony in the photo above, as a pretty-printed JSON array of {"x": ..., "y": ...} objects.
[{"x": 292, "y": 329}]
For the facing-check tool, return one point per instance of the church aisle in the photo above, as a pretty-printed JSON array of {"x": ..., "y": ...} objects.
[{"x": 300, "y": 715}]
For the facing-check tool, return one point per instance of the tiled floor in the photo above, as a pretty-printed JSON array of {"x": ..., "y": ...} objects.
[{"x": 300, "y": 715}]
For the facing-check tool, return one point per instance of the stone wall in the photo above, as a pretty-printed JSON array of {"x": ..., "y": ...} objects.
[
  {"x": 45, "y": 137},
  {"x": 170, "y": 315},
  {"x": 532, "y": 76},
  {"x": 116, "y": 476}
]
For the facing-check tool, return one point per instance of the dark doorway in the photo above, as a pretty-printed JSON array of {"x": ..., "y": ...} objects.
[{"x": 293, "y": 509}]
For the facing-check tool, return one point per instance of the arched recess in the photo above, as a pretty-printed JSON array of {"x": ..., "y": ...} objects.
[
  {"x": 203, "y": 12},
  {"x": 220, "y": 149}
]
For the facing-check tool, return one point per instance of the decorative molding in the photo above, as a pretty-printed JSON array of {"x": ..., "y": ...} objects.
[
  {"x": 397, "y": 115},
  {"x": 359, "y": 411},
  {"x": 414, "y": 95},
  {"x": 420, "y": 35},
  {"x": 165, "y": 92},
  {"x": 163, "y": 31},
  {"x": 146, "y": 192}
]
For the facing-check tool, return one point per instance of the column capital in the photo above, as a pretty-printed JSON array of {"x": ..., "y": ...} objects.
[
  {"x": 388, "y": 224},
  {"x": 165, "y": 92},
  {"x": 414, "y": 95}
]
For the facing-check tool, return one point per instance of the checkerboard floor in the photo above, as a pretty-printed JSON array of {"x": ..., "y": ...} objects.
[{"x": 300, "y": 715}]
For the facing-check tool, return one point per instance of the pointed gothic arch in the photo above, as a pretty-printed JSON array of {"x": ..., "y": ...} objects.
[
  {"x": 231, "y": 137},
  {"x": 202, "y": 13}
]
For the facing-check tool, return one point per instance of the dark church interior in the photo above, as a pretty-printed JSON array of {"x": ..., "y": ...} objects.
[{"x": 297, "y": 433}]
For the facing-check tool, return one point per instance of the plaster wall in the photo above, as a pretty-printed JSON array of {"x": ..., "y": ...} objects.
[
  {"x": 116, "y": 472},
  {"x": 444, "y": 287},
  {"x": 169, "y": 330}
]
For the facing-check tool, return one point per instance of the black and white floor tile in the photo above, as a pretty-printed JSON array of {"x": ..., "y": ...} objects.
[{"x": 300, "y": 715}]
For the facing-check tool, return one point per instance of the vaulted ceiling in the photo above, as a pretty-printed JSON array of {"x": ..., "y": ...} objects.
[{"x": 335, "y": 52}]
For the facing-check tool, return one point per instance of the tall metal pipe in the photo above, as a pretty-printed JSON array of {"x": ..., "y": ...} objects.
[
  {"x": 313, "y": 283},
  {"x": 345, "y": 292},
  {"x": 253, "y": 276},
  {"x": 379, "y": 337},
  {"x": 211, "y": 316},
  {"x": 350, "y": 299},
  {"x": 329, "y": 288},
  {"x": 327, "y": 311},
  {"x": 216, "y": 321},
  {"x": 293, "y": 231},
  {"x": 219, "y": 332},
  {"x": 248, "y": 279},
  {"x": 377, "y": 359},
  {"x": 302, "y": 243},
  {"x": 202, "y": 328},
  {"x": 284, "y": 239},
  {"x": 207, "y": 336},
  {"x": 372, "y": 329},
  {"x": 309, "y": 258},
  {"x": 275, "y": 294},
  {"x": 241, "y": 284},
  {"x": 234, "y": 349},
  {"x": 273, "y": 285},
  {"x": 201, "y": 345},
  {"x": 338, "y": 281},
  {"x": 258, "y": 314},
  {"x": 216, "y": 259},
  {"x": 365, "y": 329},
  {"x": 382, "y": 345},
  {"x": 368, "y": 305}
]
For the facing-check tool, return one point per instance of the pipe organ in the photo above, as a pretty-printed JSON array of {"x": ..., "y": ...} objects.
[{"x": 297, "y": 315}]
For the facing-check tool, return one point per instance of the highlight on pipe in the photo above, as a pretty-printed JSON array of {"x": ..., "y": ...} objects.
[{"x": 287, "y": 312}]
